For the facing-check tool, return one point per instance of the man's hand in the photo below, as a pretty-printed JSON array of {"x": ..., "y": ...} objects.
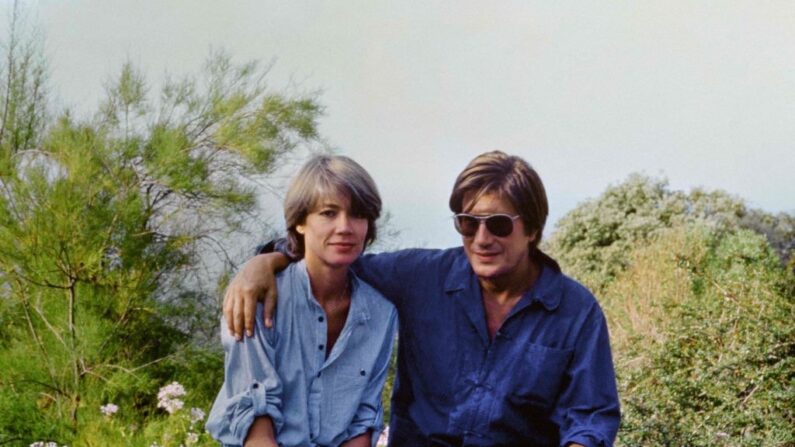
[{"x": 256, "y": 281}]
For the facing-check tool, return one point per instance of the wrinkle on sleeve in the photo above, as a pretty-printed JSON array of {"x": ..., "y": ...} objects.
[
  {"x": 370, "y": 414},
  {"x": 251, "y": 386},
  {"x": 390, "y": 272},
  {"x": 588, "y": 408}
]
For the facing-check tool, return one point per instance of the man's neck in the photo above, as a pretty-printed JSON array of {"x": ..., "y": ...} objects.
[
  {"x": 500, "y": 295},
  {"x": 512, "y": 286}
]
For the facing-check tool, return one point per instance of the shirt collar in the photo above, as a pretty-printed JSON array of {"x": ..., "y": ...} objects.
[{"x": 545, "y": 291}]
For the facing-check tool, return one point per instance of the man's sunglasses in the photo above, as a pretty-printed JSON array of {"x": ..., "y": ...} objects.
[{"x": 500, "y": 225}]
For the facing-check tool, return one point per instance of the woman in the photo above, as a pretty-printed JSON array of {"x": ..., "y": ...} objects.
[{"x": 315, "y": 378}]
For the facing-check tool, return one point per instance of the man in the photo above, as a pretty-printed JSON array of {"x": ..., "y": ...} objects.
[{"x": 496, "y": 346}]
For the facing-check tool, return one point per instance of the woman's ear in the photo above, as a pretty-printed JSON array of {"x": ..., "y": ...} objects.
[{"x": 299, "y": 229}]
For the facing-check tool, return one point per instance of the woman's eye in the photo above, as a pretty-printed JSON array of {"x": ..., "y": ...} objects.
[{"x": 328, "y": 213}]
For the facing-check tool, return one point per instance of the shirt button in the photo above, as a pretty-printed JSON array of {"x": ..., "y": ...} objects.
[
  {"x": 255, "y": 386},
  {"x": 320, "y": 319},
  {"x": 320, "y": 347}
]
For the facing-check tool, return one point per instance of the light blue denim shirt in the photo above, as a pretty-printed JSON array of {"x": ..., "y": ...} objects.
[{"x": 283, "y": 372}]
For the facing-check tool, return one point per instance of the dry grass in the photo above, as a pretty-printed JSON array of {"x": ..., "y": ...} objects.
[{"x": 658, "y": 277}]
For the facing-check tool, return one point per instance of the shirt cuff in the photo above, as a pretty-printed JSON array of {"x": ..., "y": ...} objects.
[
  {"x": 276, "y": 245},
  {"x": 586, "y": 438},
  {"x": 373, "y": 420},
  {"x": 253, "y": 403}
]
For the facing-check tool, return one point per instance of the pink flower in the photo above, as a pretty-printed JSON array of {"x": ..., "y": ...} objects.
[
  {"x": 167, "y": 397},
  {"x": 109, "y": 409}
]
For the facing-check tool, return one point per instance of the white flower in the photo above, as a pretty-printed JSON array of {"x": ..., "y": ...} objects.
[
  {"x": 170, "y": 405},
  {"x": 44, "y": 444},
  {"x": 192, "y": 438},
  {"x": 196, "y": 415},
  {"x": 173, "y": 389},
  {"x": 109, "y": 409},
  {"x": 167, "y": 397}
]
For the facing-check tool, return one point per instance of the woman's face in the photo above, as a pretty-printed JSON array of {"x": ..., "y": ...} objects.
[{"x": 333, "y": 236}]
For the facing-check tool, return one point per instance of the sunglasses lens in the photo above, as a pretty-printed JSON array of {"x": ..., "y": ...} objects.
[
  {"x": 466, "y": 225},
  {"x": 499, "y": 226}
]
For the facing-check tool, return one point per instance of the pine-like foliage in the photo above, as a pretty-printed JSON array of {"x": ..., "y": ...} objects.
[{"x": 99, "y": 222}]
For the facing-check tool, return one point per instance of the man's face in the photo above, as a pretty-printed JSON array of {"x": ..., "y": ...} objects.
[{"x": 491, "y": 256}]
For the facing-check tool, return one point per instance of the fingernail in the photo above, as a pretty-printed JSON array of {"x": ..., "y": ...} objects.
[
  {"x": 268, "y": 322},
  {"x": 249, "y": 333},
  {"x": 237, "y": 336}
]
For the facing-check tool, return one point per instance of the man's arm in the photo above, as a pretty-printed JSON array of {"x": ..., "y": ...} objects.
[
  {"x": 386, "y": 272},
  {"x": 590, "y": 402},
  {"x": 256, "y": 281}
]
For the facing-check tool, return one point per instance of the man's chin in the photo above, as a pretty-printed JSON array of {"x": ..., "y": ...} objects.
[{"x": 487, "y": 271}]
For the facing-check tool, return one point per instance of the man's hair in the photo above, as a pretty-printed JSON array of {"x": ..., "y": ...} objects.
[
  {"x": 509, "y": 177},
  {"x": 329, "y": 175}
]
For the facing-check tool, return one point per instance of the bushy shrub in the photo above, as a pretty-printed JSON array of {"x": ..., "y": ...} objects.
[
  {"x": 704, "y": 341},
  {"x": 593, "y": 242}
]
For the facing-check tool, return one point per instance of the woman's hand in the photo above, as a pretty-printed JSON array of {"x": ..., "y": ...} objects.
[
  {"x": 255, "y": 281},
  {"x": 362, "y": 440},
  {"x": 261, "y": 433}
]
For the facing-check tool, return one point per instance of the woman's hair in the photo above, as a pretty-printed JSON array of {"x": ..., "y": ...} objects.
[
  {"x": 507, "y": 176},
  {"x": 324, "y": 176}
]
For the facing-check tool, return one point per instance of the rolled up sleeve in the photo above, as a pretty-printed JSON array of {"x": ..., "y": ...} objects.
[
  {"x": 251, "y": 386},
  {"x": 588, "y": 409},
  {"x": 369, "y": 414}
]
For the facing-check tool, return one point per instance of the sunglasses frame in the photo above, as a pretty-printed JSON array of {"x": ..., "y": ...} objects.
[{"x": 485, "y": 221}]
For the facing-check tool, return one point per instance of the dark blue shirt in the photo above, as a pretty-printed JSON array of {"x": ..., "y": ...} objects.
[{"x": 546, "y": 379}]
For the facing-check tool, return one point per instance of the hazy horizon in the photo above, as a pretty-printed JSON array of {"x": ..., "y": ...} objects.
[{"x": 587, "y": 92}]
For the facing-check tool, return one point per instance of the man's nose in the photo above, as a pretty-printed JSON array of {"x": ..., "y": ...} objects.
[{"x": 482, "y": 235}]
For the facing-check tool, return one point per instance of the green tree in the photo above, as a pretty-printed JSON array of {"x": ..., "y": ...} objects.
[{"x": 100, "y": 222}]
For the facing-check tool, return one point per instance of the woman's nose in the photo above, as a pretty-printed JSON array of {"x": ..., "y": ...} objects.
[{"x": 343, "y": 223}]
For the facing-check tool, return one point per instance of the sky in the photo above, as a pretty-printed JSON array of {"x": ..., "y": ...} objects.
[{"x": 699, "y": 92}]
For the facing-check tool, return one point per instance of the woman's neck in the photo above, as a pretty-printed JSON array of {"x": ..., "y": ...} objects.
[{"x": 327, "y": 283}]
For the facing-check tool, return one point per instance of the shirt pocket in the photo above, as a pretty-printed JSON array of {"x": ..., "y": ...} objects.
[{"x": 538, "y": 376}]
